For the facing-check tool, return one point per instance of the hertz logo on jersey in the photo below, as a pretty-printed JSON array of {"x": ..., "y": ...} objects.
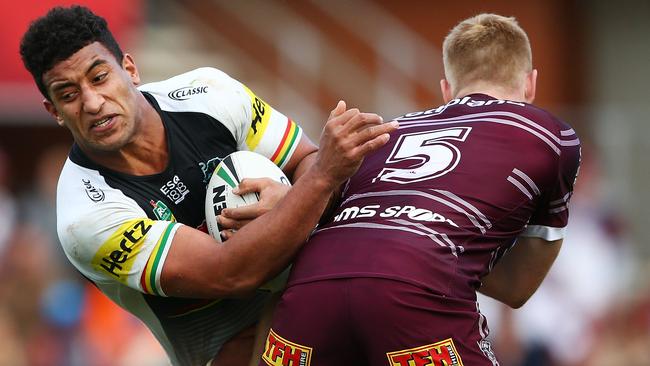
[
  {"x": 117, "y": 254},
  {"x": 260, "y": 116},
  {"x": 437, "y": 354},
  {"x": 281, "y": 352}
]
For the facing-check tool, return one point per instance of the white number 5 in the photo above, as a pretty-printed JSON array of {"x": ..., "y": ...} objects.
[{"x": 430, "y": 152}]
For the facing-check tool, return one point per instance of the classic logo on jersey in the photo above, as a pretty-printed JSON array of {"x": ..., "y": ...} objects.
[
  {"x": 260, "y": 116},
  {"x": 411, "y": 212},
  {"x": 281, "y": 352},
  {"x": 208, "y": 168},
  {"x": 161, "y": 211},
  {"x": 437, "y": 354},
  {"x": 95, "y": 194},
  {"x": 187, "y": 92},
  {"x": 117, "y": 255},
  {"x": 175, "y": 190}
]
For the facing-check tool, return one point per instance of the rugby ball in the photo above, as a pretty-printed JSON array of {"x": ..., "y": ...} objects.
[{"x": 227, "y": 175}]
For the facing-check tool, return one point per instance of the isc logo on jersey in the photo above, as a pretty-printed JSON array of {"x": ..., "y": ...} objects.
[{"x": 117, "y": 255}]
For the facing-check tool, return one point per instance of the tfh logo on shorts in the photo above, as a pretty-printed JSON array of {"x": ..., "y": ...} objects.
[
  {"x": 175, "y": 190},
  {"x": 281, "y": 352},
  {"x": 437, "y": 354}
]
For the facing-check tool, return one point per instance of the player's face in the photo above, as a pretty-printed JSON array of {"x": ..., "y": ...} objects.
[{"x": 95, "y": 97}]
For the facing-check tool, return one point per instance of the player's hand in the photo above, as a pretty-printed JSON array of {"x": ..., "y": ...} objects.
[
  {"x": 348, "y": 136},
  {"x": 270, "y": 192}
]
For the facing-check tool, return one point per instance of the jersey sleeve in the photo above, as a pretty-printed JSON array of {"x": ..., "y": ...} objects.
[
  {"x": 255, "y": 124},
  {"x": 552, "y": 215},
  {"x": 112, "y": 240}
]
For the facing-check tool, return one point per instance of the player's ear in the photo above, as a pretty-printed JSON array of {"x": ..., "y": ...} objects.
[
  {"x": 128, "y": 64},
  {"x": 51, "y": 109},
  {"x": 445, "y": 88},
  {"x": 531, "y": 86}
]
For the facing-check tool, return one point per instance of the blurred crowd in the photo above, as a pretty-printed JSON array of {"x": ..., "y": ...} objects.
[
  {"x": 589, "y": 311},
  {"x": 49, "y": 314}
]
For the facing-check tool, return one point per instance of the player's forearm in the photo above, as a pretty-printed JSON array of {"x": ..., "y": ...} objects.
[
  {"x": 516, "y": 277},
  {"x": 304, "y": 165},
  {"x": 264, "y": 247}
]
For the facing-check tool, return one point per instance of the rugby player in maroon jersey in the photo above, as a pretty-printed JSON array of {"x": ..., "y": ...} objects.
[{"x": 469, "y": 196}]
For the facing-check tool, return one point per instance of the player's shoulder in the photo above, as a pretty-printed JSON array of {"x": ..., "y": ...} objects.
[
  {"x": 88, "y": 207},
  {"x": 196, "y": 90},
  {"x": 202, "y": 75},
  {"x": 542, "y": 116}
]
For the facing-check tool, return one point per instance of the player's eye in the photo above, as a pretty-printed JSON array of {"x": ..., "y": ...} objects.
[
  {"x": 100, "y": 77},
  {"x": 68, "y": 96}
]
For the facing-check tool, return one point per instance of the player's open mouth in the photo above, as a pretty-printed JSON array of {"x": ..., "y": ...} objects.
[{"x": 103, "y": 124}]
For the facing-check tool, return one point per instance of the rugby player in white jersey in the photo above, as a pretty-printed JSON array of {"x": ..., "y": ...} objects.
[{"x": 130, "y": 199}]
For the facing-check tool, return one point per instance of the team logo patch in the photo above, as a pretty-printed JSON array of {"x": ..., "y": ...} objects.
[
  {"x": 442, "y": 353},
  {"x": 208, "y": 168},
  {"x": 161, "y": 211},
  {"x": 281, "y": 352}
]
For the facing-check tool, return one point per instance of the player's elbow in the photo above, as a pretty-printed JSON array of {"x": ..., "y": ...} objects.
[
  {"x": 510, "y": 296},
  {"x": 234, "y": 285},
  {"x": 517, "y": 300}
]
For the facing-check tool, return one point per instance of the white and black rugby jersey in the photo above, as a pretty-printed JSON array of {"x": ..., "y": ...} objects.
[{"x": 117, "y": 228}]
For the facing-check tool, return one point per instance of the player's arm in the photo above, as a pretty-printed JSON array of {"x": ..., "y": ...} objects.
[
  {"x": 196, "y": 266},
  {"x": 270, "y": 192},
  {"x": 521, "y": 270},
  {"x": 302, "y": 159}
]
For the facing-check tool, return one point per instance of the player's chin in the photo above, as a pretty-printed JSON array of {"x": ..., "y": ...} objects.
[{"x": 107, "y": 142}]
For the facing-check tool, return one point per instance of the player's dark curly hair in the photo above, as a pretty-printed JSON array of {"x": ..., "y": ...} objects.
[{"x": 58, "y": 35}]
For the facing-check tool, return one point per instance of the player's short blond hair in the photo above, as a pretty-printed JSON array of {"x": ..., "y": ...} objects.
[{"x": 486, "y": 48}]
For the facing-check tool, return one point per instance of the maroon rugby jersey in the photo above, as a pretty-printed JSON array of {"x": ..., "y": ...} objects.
[{"x": 442, "y": 201}]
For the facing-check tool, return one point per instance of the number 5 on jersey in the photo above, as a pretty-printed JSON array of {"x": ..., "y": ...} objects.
[{"x": 430, "y": 151}]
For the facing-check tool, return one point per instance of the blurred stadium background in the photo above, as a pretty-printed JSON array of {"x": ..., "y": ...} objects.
[{"x": 378, "y": 55}]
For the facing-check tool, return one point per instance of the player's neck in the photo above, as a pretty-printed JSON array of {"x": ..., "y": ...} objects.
[{"x": 493, "y": 91}]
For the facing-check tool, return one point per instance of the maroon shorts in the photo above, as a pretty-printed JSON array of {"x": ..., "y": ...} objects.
[{"x": 374, "y": 321}]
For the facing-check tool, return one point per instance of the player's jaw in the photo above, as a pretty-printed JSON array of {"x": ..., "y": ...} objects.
[{"x": 109, "y": 132}]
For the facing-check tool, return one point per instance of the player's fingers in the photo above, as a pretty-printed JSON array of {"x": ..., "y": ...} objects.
[
  {"x": 371, "y": 132},
  {"x": 371, "y": 145},
  {"x": 226, "y": 234},
  {"x": 338, "y": 110},
  {"x": 226, "y": 223},
  {"x": 248, "y": 212},
  {"x": 336, "y": 121},
  {"x": 250, "y": 185},
  {"x": 361, "y": 121}
]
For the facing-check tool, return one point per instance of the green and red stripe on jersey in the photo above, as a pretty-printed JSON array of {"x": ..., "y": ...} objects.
[
  {"x": 286, "y": 146},
  {"x": 148, "y": 278}
]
